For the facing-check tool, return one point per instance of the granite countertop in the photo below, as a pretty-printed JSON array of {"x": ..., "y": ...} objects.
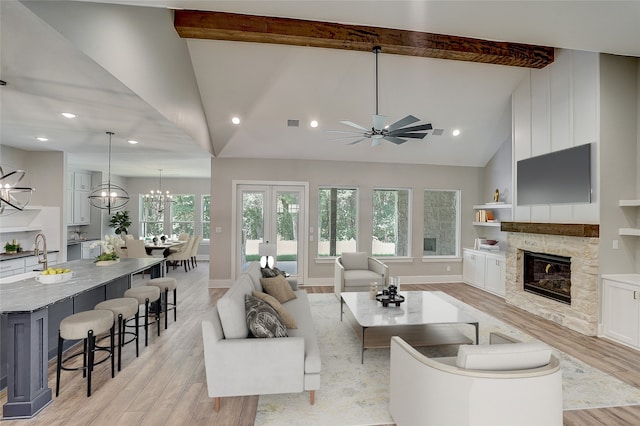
[
  {"x": 29, "y": 295},
  {"x": 21, "y": 254}
]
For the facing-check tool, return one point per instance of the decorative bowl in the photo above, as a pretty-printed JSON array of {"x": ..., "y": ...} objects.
[
  {"x": 491, "y": 242},
  {"x": 54, "y": 279}
]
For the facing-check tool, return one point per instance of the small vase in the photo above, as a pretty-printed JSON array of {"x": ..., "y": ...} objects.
[{"x": 107, "y": 262}]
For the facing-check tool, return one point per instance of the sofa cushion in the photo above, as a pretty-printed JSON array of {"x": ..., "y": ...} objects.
[
  {"x": 231, "y": 308},
  {"x": 301, "y": 311},
  {"x": 513, "y": 356},
  {"x": 355, "y": 260},
  {"x": 253, "y": 270},
  {"x": 278, "y": 287},
  {"x": 284, "y": 315},
  {"x": 361, "y": 278},
  {"x": 262, "y": 319}
]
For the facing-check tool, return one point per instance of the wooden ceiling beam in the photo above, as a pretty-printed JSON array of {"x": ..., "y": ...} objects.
[{"x": 265, "y": 29}]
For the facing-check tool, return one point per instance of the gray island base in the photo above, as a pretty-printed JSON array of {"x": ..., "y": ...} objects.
[{"x": 31, "y": 313}]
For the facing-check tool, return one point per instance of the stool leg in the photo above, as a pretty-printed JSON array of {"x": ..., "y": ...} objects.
[
  {"x": 146, "y": 322},
  {"x": 91, "y": 347},
  {"x": 175, "y": 305},
  {"x": 158, "y": 305},
  {"x": 113, "y": 353},
  {"x": 137, "y": 321},
  {"x": 84, "y": 358},
  {"x": 59, "y": 366},
  {"x": 120, "y": 340},
  {"x": 166, "y": 306}
]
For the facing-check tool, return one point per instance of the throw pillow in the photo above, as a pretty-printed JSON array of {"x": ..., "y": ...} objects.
[
  {"x": 262, "y": 319},
  {"x": 285, "y": 316},
  {"x": 278, "y": 287},
  {"x": 268, "y": 273}
]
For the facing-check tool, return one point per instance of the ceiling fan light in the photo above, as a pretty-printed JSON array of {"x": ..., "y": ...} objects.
[{"x": 456, "y": 132}]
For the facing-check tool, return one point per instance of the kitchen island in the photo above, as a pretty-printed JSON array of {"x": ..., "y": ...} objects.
[{"x": 31, "y": 312}]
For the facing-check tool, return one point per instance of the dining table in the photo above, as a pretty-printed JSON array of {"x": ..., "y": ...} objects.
[{"x": 150, "y": 247}]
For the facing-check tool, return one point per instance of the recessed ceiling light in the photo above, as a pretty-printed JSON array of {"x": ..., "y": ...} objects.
[
  {"x": 235, "y": 120},
  {"x": 68, "y": 115},
  {"x": 314, "y": 123},
  {"x": 132, "y": 142},
  {"x": 456, "y": 132},
  {"x": 41, "y": 139}
]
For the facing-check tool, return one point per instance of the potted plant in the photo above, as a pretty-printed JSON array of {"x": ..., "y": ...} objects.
[
  {"x": 12, "y": 247},
  {"x": 121, "y": 222},
  {"x": 109, "y": 254}
]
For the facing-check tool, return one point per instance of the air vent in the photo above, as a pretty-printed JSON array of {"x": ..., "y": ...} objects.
[
  {"x": 438, "y": 132},
  {"x": 293, "y": 123}
]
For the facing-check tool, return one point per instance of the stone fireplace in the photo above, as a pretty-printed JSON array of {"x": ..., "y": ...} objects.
[{"x": 576, "y": 242}]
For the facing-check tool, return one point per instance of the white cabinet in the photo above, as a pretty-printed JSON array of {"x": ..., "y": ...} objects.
[
  {"x": 495, "y": 271},
  {"x": 78, "y": 209},
  {"x": 484, "y": 270},
  {"x": 621, "y": 308},
  {"x": 473, "y": 268},
  {"x": 11, "y": 267}
]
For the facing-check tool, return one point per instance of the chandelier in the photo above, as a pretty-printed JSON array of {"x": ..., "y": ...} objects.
[
  {"x": 108, "y": 196},
  {"x": 11, "y": 193},
  {"x": 158, "y": 200}
]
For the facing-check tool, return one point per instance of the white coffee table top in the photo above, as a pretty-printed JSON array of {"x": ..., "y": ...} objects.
[{"x": 419, "y": 307}]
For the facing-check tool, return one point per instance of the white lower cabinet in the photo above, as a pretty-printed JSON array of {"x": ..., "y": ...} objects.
[
  {"x": 621, "y": 308},
  {"x": 485, "y": 270}
]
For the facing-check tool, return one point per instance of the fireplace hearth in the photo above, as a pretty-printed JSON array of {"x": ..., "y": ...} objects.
[{"x": 547, "y": 275}]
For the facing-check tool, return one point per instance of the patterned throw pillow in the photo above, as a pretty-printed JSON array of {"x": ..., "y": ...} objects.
[
  {"x": 262, "y": 319},
  {"x": 278, "y": 287},
  {"x": 286, "y": 318},
  {"x": 268, "y": 272}
]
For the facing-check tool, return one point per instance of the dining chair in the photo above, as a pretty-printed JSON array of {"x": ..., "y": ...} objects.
[
  {"x": 183, "y": 256},
  {"x": 136, "y": 250},
  {"x": 194, "y": 251}
]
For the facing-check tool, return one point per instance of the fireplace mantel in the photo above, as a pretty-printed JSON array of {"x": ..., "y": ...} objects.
[{"x": 567, "y": 229}]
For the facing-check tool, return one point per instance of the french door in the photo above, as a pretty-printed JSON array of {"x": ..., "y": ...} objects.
[{"x": 271, "y": 214}]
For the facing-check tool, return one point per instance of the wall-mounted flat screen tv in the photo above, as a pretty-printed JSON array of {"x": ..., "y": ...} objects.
[{"x": 560, "y": 177}]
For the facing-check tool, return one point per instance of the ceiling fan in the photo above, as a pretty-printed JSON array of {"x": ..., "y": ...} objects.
[{"x": 396, "y": 133}]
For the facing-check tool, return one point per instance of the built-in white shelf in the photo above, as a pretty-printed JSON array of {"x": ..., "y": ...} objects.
[
  {"x": 629, "y": 203},
  {"x": 490, "y": 206},
  {"x": 495, "y": 224},
  {"x": 629, "y": 231},
  {"x": 10, "y": 229}
]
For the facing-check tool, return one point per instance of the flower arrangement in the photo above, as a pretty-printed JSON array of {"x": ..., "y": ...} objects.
[
  {"x": 108, "y": 245},
  {"x": 12, "y": 247}
]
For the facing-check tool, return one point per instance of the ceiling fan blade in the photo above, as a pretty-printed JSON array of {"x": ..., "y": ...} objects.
[
  {"x": 409, "y": 119},
  {"x": 352, "y": 124},
  {"x": 378, "y": 121},
  {"x": 355, "y": 142},
  {"x": 409, "y": 135},
  {"x": 351, "y": 132},
  {"x": 345, "y": 137},
  {"x": 395, "y": 140},
  {"x": 419, "y": 128}
]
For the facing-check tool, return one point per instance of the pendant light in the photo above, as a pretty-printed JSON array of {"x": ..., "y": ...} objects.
[
  {"x": 157, "y": 199},
  {"x": 12, "y": 194},
  {"x": 108, "y": 196}
]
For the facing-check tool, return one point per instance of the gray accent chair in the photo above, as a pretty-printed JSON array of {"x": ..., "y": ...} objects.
[{"x": 355, "y": 271}]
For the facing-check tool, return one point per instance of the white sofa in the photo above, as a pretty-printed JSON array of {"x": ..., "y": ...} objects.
[
  {"x": 355, "y": 271},
  {"x": 474, "y": 388},
  {"x": 238, "y": 365}
]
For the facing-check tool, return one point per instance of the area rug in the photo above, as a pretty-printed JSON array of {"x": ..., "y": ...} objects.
[{"x": 352, "y": 393}]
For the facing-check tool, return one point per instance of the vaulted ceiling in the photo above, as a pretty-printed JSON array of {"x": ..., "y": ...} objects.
[{"x": 178, "y": 98}]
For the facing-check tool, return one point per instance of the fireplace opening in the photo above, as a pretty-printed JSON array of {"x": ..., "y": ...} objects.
[{"x": 548, "y": 275}]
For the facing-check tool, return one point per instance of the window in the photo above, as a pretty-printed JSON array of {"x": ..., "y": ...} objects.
[
  {"x": 337, "y": 220},
  {"x": 441, "y": 212},
  {"x": 391, "y": 236},
  {"x": 183, "y": 214},
  {"x": 151, "y": 218},
  {"x": 206, "y": 217}
]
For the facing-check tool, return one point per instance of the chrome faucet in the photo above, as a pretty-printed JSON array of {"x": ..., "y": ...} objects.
[{"x": 36, "y": 250}]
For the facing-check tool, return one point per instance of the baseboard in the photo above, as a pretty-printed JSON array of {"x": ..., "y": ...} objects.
[
  {"x": 220, "y": 283},
  {"x": 430, "y": 279}
]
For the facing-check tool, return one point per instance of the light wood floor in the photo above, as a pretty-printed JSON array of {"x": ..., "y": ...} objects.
[{"x": 166, "y": 384}]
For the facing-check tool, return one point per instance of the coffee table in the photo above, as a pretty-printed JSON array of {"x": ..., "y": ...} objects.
[{"x": 423, "y": 319}]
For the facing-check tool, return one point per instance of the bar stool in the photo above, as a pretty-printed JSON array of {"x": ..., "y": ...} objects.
[
  {"x": 165, "y": 285},
  {"x": 146, "y": 296},
  {"x": 86, "y": 326},
  {"x": 123, "y": 308}
]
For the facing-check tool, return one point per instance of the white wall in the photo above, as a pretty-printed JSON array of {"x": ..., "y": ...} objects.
[{"x": 553, "y": 109}]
